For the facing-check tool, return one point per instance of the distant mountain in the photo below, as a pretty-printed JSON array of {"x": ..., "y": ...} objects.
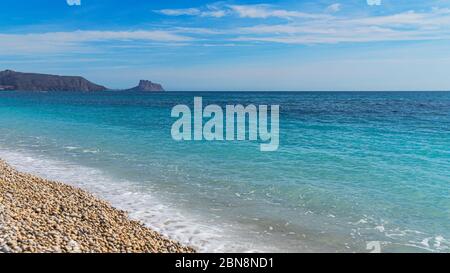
[
  {"x": 11, "y": 80},
  {"x": 18, "y": 81},
  {"x": 147, "y": 86}
]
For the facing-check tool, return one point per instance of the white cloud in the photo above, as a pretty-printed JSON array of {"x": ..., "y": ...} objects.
[
  {"x": 74, "y": 2},
  {"x": 300, "y": 28},
  {"x": 253, "y": 11},
  {"x": 210, "y": 11},
  {"x": 407, "y": 26},
  {"x": 179, "y": 12},
  {"x": 438, "y": 10},
  {"x": 214, "y": 13},
  {"x": 334, "y": 8},
  {"x": 244, "y": 11},
  {"x": 265, "y": 11},
  {"x": 57, "y": 42},
  {"x": 374, "y": 2}
]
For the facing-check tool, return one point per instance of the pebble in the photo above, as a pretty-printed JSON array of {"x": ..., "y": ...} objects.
[{"x": 41, "y": 216}]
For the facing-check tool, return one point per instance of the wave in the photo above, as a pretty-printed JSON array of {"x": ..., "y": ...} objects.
[
  {"x": 153, "y": 211},
  {"x": 208, "y": 233}
]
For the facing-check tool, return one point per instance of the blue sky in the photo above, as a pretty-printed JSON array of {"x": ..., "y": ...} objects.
[{"x": 233, "y": 45}]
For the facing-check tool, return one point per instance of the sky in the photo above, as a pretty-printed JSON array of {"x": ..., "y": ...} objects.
[{"x": 322, "y": 45}]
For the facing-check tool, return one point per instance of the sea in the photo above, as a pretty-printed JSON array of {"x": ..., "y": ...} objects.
[{"x": 354, "y": 172}]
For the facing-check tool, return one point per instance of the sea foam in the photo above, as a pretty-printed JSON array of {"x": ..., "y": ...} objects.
[{"x": 155, "y": 212}]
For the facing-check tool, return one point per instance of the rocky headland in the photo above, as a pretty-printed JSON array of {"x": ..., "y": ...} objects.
[
  {"x": 147, "y": 86},
  {"x": 19, "y": 81}
]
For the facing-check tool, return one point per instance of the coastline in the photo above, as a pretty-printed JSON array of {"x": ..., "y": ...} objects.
[{"x": 38, "y": 215}]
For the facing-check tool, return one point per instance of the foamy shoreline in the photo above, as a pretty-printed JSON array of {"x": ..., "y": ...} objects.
[{"x": 38, "y": 215}]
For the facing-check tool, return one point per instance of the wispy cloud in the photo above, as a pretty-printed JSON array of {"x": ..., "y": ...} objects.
[
  {"x": 214, "y": 13},
  {"x": 374, "y": 2},
  {"x": 213, "y": 10},
  {"x": 56, "y": 42},
  {"x": 299, "y": 27},
  {"x": 243, "y": 11},
  {"x": 266, "y": 11},
  {"x": 179, "y": 12},
  {"x": 406, "y": 26},
  {"x": 334, "y": 8},
  {"x": 73, "y": 2}
]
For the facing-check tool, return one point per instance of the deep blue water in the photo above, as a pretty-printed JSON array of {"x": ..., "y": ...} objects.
[{"x": 352, "y": 167}]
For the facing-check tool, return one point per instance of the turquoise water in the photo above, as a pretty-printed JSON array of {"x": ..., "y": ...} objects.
[{"x": 352, "y": 168}]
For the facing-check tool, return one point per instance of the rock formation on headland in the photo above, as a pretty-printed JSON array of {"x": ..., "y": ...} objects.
[
  {"x": 11, "y": 80},
  {"x": 18, "y": 81},
  {"x": 147, "y": 86}
]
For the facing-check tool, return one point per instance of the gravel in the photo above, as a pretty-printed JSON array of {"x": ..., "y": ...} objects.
[{"x": 41, "y": 216}]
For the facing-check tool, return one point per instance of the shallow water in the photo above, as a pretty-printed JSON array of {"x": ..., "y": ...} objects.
[{"x": 352, "y": 168}]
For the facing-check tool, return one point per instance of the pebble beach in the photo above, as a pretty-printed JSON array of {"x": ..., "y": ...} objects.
[{"x": 41, "y": 216}]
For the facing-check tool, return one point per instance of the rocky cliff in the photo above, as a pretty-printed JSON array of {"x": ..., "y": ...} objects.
[
  {"x": 147, "y": 86},
  {"x": 11, "y": 80}
]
